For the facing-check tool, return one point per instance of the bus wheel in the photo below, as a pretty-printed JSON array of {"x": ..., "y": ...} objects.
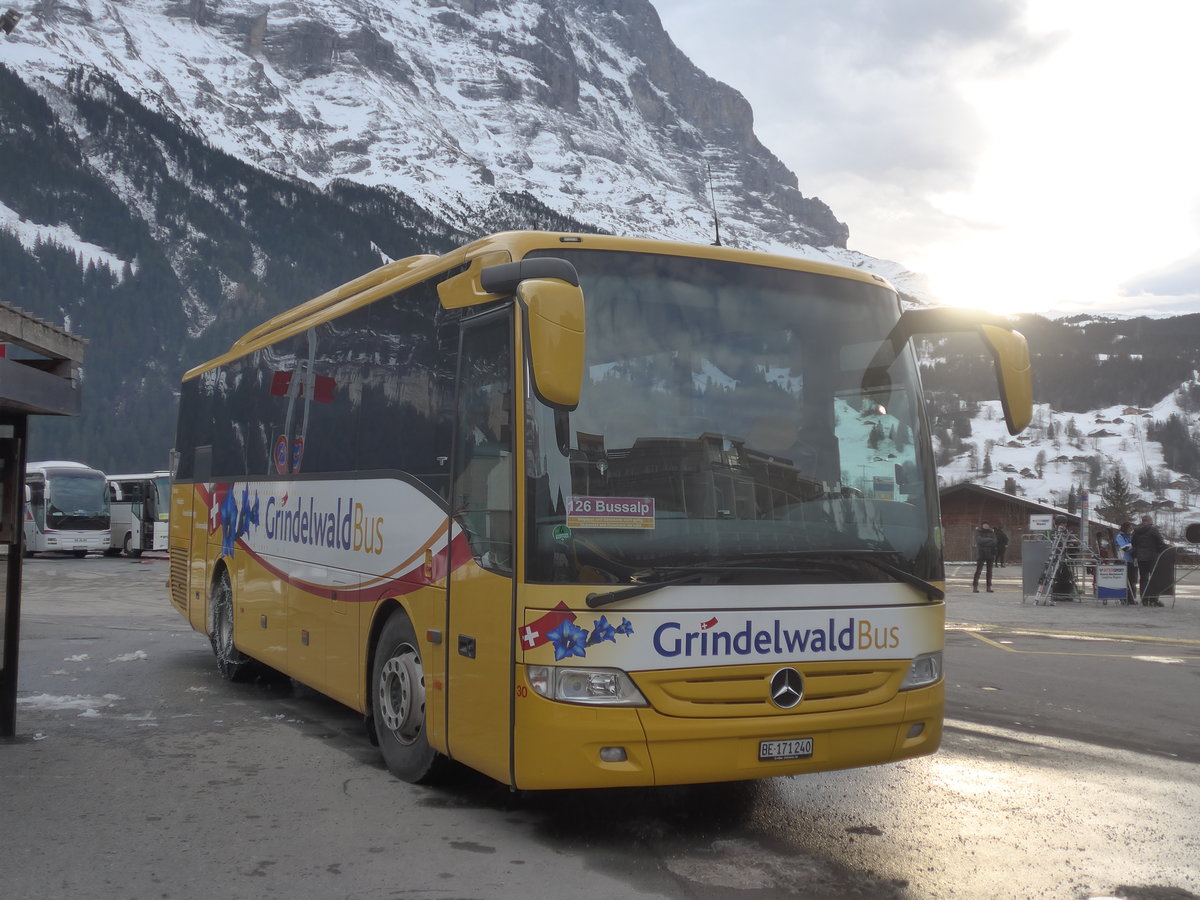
[
  {"x": 398, "y": 703},
  {"x": 129, "y": 551},
  {"x": 231, "y": 662}
]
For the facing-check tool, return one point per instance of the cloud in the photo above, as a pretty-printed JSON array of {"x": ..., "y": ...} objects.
[
  {"x": 864, "y": 99},
  {"x": 1173, "y": 289},
  {"x": 997, "y": 146},
  {"x": 1180, "y": 278},
  {"x": 861, "y": 86}
]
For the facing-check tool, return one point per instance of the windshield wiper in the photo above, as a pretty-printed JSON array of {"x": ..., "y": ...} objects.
[
  {"x": 682, "y": 575},
  {"x": 872, "y": 558},
  {"x": 636, "y": 590},
  {"x": 812, "y": 559}
]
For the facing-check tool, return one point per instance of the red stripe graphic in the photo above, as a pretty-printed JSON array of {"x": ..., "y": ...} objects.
[{"x": 534, "y": 634}]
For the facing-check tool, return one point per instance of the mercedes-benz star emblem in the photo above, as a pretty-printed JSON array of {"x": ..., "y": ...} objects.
[{"x": 787, "y": 688}]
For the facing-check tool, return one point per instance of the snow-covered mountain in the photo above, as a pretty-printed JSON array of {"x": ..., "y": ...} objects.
[
  {"x": 173, "y": 172},
  {"x": 586, "y": 105}
]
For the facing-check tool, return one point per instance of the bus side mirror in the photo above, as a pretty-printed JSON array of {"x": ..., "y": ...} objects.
[
  {"x": 548, "y": 292},
  {"x": 1014, "y": 374},
  {"x": 555, "y": 334},
  {"x": 1009, "y": 349}
]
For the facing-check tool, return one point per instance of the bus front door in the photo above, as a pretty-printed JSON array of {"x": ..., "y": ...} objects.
[{"x": 479, "y": 647}]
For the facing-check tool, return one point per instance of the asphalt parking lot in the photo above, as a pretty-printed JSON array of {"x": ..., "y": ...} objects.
[{"x": 137, "y": 772}]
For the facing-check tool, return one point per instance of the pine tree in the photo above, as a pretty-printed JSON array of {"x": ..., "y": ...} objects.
[
  {"x": 1117, "y": 497},
  {"x": 875, "y": 436},
  {"x": 1148, "y": 481}
]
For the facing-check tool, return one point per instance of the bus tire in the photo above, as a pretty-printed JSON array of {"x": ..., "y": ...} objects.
[
  {"x": 398, "y": 704},
  {"x": 129, "y": 550},
  {"x": 231, "y": 662}
]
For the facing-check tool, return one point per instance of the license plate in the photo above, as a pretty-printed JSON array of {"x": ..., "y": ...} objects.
[{"x": 792, "y": 748}]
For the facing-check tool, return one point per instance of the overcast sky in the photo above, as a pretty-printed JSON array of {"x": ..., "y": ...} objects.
[{"x": 1025, "y": 156}]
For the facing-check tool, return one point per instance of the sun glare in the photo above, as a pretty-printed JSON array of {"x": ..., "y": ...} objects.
[{"x": 1055, "y": 220}]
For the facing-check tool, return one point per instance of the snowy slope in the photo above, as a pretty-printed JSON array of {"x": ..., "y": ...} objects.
[
  {"x": 1107, "y": 440},
  {"x": 585, "y": 105}
]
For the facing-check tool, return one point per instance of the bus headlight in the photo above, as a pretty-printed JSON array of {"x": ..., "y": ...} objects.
[
  {"x": 925, "y": 670},
  {"x": 598, "y": 687}
]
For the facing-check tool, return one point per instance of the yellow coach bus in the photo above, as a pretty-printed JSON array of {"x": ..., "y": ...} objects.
[{"x": 683, "y": 530}]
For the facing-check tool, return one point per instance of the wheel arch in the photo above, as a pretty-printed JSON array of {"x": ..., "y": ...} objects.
[
  {"x": 383, "y": 612},
  {"x": 219, "y": 568}
]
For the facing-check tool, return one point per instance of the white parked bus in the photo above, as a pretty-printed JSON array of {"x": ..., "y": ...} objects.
[
  {"x": 138, "y": 507},
  {"x": 66, "y": 508}
]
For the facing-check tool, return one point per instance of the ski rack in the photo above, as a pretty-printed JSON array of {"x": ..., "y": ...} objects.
[
  {"x": 1065, "y": 551},
  {"x": 1044, "y": 595}
]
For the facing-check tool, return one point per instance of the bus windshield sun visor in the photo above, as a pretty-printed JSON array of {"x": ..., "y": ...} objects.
[{"x": 504, "y": 278}]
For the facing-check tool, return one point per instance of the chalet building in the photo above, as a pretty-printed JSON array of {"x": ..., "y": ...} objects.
[{"x": 965, "y": 505}]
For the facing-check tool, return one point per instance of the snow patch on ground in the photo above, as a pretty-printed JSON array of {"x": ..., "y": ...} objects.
[
  {"x": 88, "y": 705},
  {"x": 131, "y": 657}
]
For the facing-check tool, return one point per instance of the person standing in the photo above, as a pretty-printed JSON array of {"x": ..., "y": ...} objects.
[
  {"x": 1148, "y": 545},
  {"x": 1001, "y": 545},
  {"x": 1124, "y": 542},
  {"x": 985, "y": 554}
]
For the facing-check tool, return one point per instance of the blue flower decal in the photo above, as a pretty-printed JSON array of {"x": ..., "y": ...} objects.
[
  {"x": 248, "y": 515},
  {"x": 568, "y": 640},
  {"x": 625, "y": 628},
  {"x": 602, "y": 632},
  {"x": 229, "y": 516}
]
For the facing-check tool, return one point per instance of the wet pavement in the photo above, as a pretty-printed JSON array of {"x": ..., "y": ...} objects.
[{"x": 138, "y": 772}]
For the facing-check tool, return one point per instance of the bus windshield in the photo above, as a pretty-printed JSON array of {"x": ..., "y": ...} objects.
[
  {"x": 76, "y": 500},
  {"x": 731, "y": 414}
]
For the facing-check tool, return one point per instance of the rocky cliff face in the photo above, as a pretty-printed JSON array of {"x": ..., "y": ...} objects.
[
  {"x": 173, "y": 172},
  {"x": 586, "y": 105}
]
